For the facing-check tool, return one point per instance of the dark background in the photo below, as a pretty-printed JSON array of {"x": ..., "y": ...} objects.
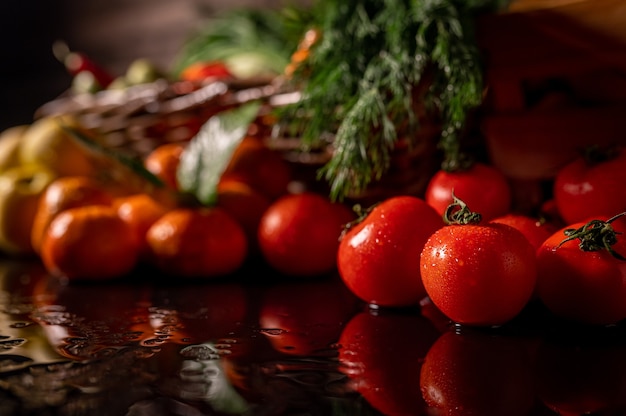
[{"x": 111, "y": 32}]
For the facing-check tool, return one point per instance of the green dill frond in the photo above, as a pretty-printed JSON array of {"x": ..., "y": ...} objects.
[{"x": 360, "y": 81}]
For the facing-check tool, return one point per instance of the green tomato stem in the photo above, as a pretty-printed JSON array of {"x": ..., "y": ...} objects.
[
  {"x": 595, "y": 235},
  {"x": 458, "y": 213}
]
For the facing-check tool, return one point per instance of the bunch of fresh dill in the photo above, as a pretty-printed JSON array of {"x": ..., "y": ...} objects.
[{"x": 359, "y": 81}]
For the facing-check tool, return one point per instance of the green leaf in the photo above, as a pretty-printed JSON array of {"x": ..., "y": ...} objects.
[
  {"x": 208, "y": 153},
  {"x": 110, "y": 158}
]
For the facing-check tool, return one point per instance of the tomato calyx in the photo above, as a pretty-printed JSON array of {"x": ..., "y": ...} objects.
[
  {"x": 361, "y": 214},
  {"x": 458, "y": 213},
  {"x": 595, "y": 235}
]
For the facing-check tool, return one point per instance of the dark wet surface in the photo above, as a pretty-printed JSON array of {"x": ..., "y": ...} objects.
[{"x": 253, "y": 346}]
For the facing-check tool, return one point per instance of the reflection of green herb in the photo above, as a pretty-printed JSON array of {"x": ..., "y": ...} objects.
[{"x": 359, "y": 82}]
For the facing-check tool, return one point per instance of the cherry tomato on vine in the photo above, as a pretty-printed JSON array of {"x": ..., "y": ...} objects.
[
  {"x": 581, "y": 274},
  {"x": 483, "y": 188},
  {"x": 591, "y": 186},
  {"x": 478, "y": 273},
  {"x": 378, "y": 258}
]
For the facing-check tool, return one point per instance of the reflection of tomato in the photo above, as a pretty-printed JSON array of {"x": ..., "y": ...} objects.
[
  {"x": 382, "y": 354},
  {"x": 478, "y": 374},
  {"x": 200, "y": 313},
  {"x": 583, "y": 285},
  {"x": 84, "y": 321},
  {"x": 305, "y": 318},
  {"x": 574, "y": 379}
]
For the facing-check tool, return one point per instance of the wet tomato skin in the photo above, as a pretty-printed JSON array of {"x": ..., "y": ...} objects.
[
  {"x": 479, "y": 274},
  {"x": 583, "y": 190},
  {"x": 378, "y": 259},
  {"x": 483, "y": 188},
  {"x": 298, "y": 234},
  {"x": 583, "y": 286},
  {"x": 535, "y": 230}
]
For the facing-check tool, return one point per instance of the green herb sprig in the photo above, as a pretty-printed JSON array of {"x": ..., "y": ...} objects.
[{"x": 360, "y": 82}]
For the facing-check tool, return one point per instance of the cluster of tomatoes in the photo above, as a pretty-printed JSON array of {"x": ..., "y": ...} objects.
[
  {"x": 88, "y": 228},
  {"x": 480, "y": 264},
  {"x": 461, "y": 245}
]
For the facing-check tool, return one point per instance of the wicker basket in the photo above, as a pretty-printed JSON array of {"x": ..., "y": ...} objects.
[{"x": 139, "y": 118}]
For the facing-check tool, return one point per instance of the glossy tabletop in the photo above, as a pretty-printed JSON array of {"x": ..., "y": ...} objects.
[{"x": 257, "y": 344}]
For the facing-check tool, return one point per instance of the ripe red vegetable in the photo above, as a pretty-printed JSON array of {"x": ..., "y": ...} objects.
[
  {"x": 299, "y": 234},
  {"x": 591, "y": 186},
  {"x": 483, "y": 188},
  {"x": 582, "y": 272},
  {"x": 478, "y": 274},
  {"x": 378, "y": 258},
  {"x": 534, "y": 229}
]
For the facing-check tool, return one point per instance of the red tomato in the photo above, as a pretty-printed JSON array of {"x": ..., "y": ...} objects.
[
  {"x": 476, "y": 373},
  {"x": 584, "y": 286},
  {"x": 483, "y": 188},
  {"x": 299, "y": 234},
  {"x": 584, "y": 190},
  {"x": 382, "y": 353},
  {"x": 535, "y": 230},
  {"x": 378, "y": 259},
  {"x": 198, "y": 242},
  {"x": 479, "y": 274},
  {"x": 549, "y": 210},
  {"x": 305, "y": 318},
  {"x": 200, "y": 71}
]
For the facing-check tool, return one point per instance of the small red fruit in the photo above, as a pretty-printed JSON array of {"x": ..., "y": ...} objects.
[
  {"x": 299, "y": 234},
  {"x": 378, "y": 258}
]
